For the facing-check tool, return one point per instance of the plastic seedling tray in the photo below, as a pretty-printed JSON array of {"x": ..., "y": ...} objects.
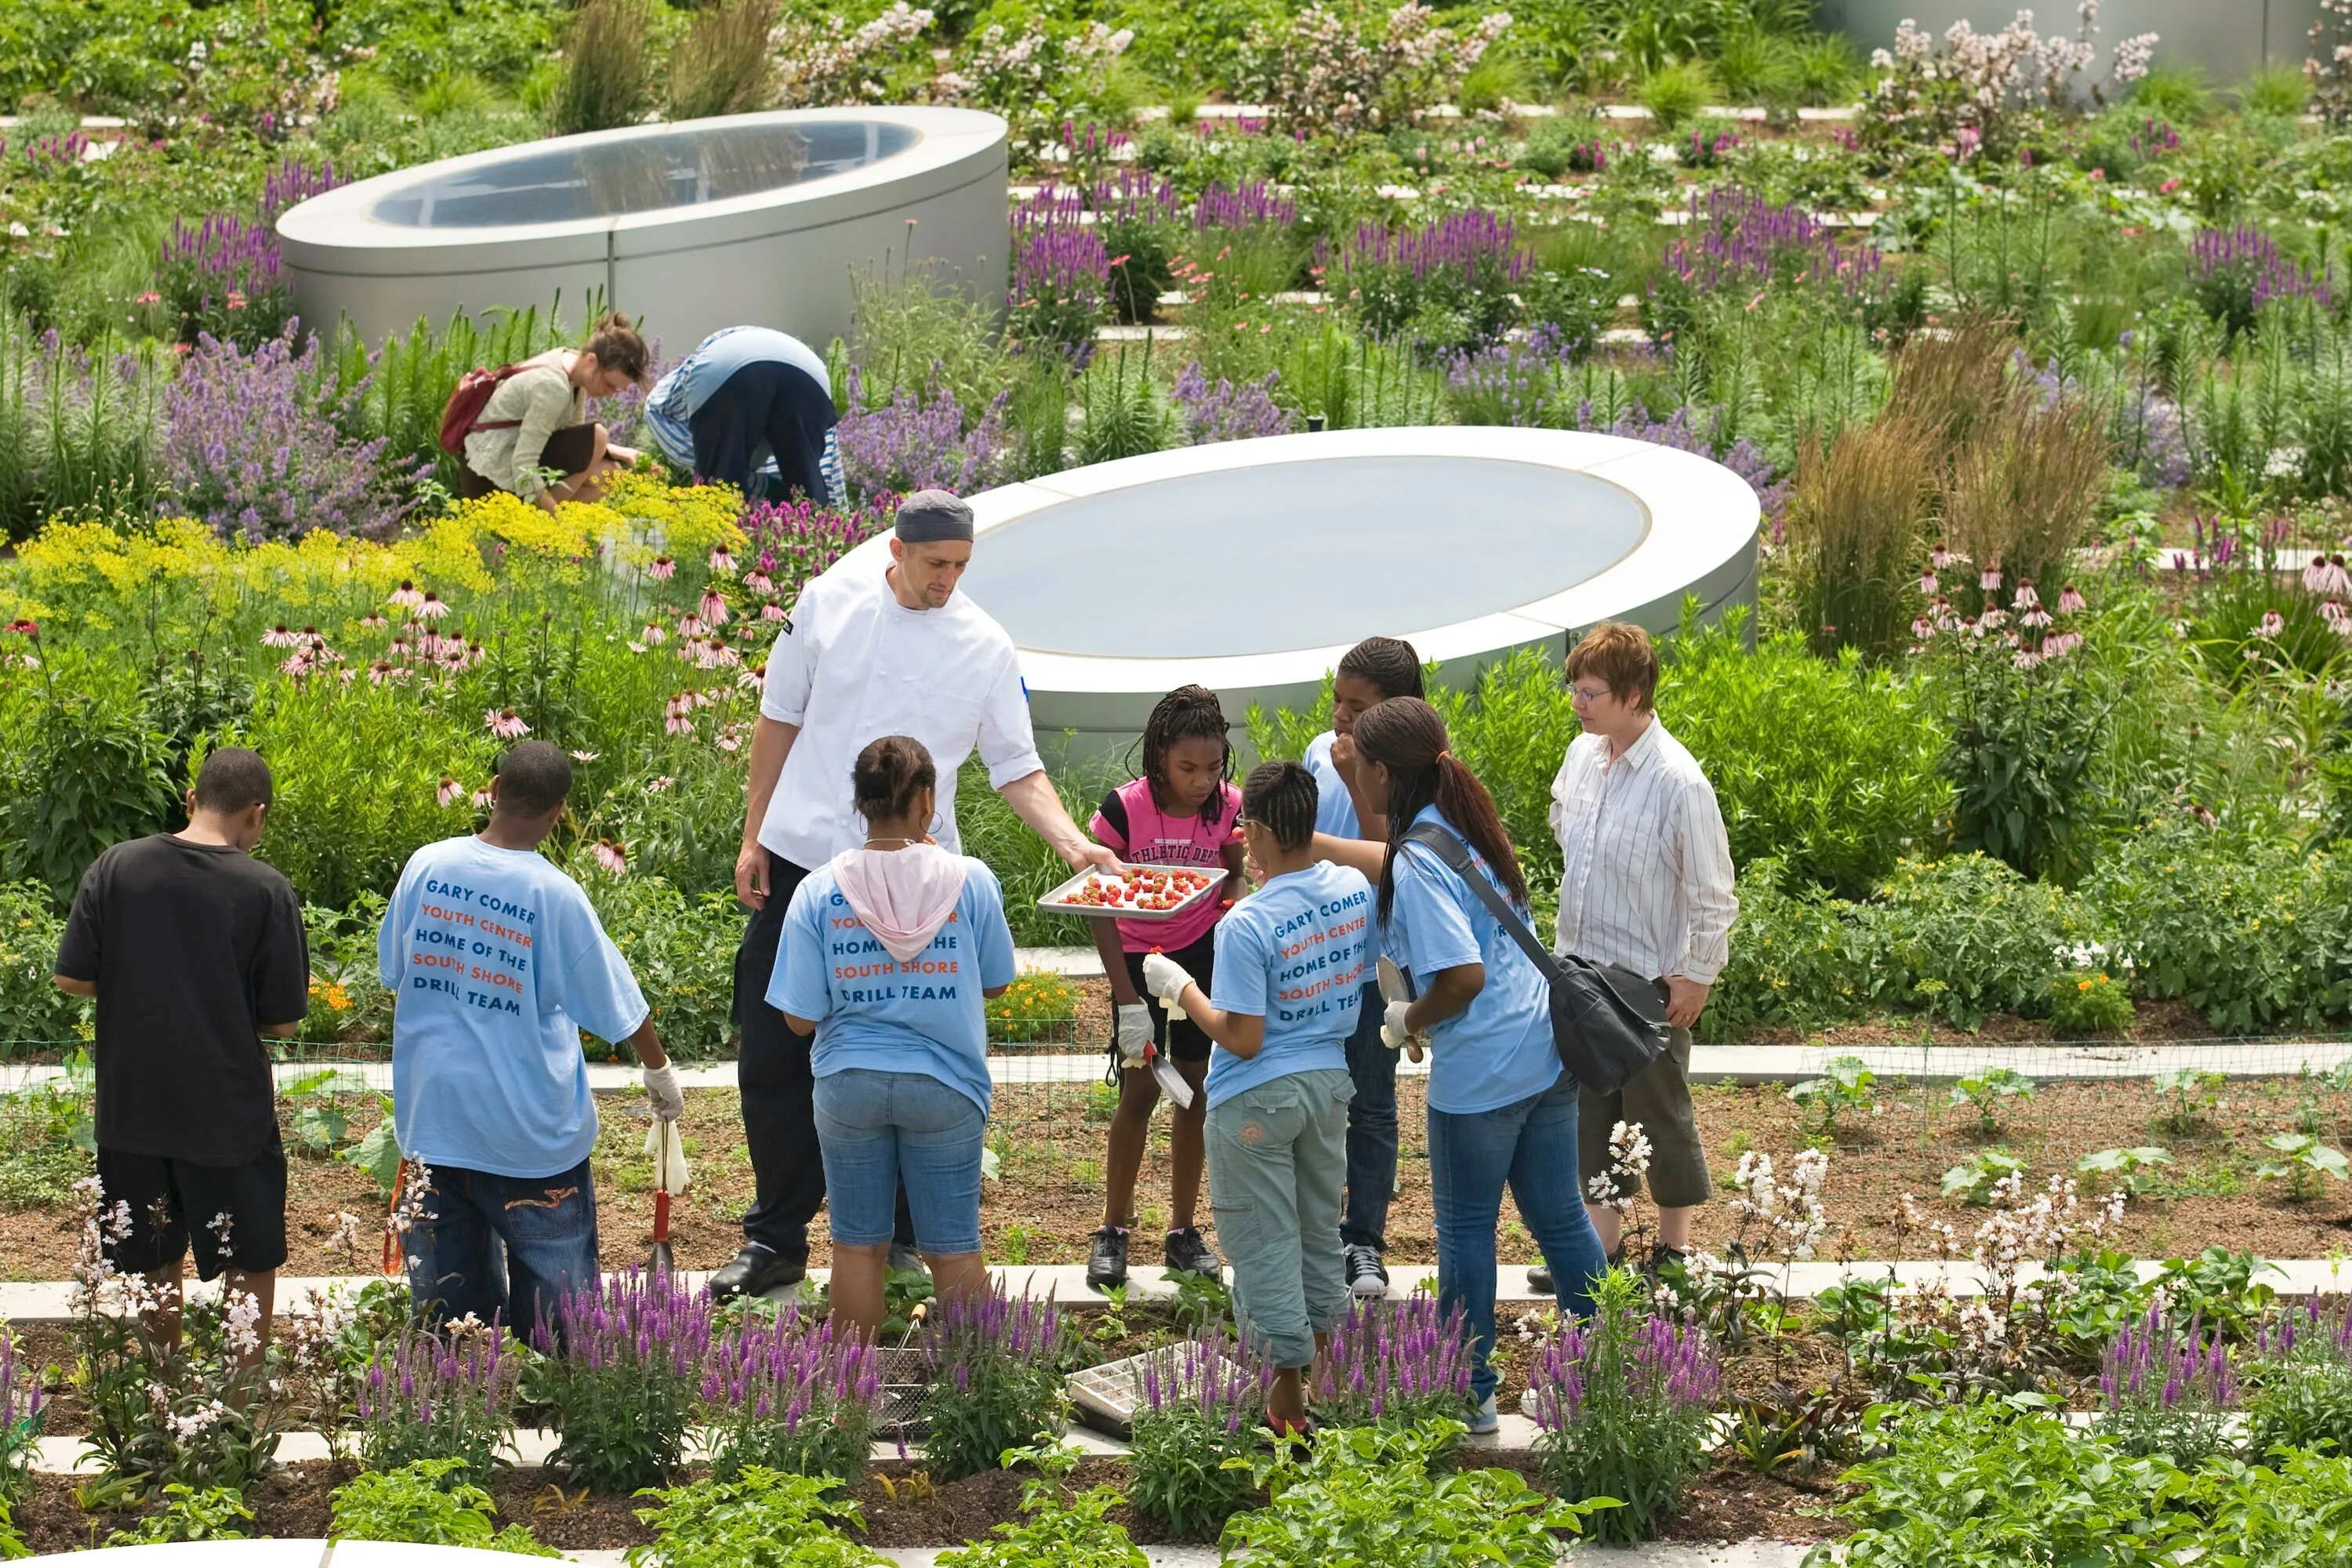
[
  {"x": 1106, "y": 1398},
  {"x": 1060, "y": 900}
]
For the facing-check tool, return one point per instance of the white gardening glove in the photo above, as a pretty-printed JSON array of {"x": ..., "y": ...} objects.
[
  {"x": 1393, "y": 1034},
  {"x": 661, "y": 1088},
  {"x": 1134, "y": 1033},
  {"x": 1165, "y": 978}
]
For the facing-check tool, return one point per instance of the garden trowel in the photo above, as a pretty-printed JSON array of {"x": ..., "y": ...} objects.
[
  {"x": 667, "y": 1152},
  {"x": 1394, "y": 989}
]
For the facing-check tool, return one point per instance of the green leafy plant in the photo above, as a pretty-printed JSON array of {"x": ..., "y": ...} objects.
[
  {"x": 427, "y": 1503},
  {"x": 439, "y": 1399},
  {"x": 1368, "y": 1494},
  {"x": 607, "y": 78},
  {"x": 32, "y": 1011},
  {"x": 1040, "y": 1007},
  {"x": 318, "y": 1120},
  {"x": 2301, "y": 1382},
  {"x": 215, "y": 1513},
  {"x": 2303, "y": 1162},
  {"x": 1200, "y": 1404},
  {"x": 618, "y": 1391},
  {"x": 761, "y": 1519},
  {"x": 2089, "y": 1004},
  {"x": 994, "y": 1367},
  {"x": 2131, "y": 1171},
  {"x": 1984, "y": 1091},
  {"x": 1844, "y": 1089},
  {"x": 1973, "y": 1181},
  {"x": 1968, "y": 936},
  {"x": 2187, "y": 1097},
  {"x": 1068, "y": 1531}
]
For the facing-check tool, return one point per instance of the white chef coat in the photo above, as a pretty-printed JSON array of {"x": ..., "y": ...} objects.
[{"x": 853, "y": 665}]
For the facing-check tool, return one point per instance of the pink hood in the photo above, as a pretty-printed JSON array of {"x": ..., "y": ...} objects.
[{"x": 902, "y": 896}]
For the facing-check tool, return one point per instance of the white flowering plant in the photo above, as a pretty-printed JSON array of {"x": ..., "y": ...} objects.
[
  {"x": 1042, "y": 73},
  {"x": 1974, "y": 95},
  {"x": 822, "y": 63},
  {"x": 1349, "y": 69}
]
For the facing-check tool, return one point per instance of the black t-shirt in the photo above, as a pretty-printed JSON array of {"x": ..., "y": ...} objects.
[{"x": 193, "y": 947}]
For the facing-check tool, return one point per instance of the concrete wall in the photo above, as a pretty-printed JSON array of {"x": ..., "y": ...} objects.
[{"x": 2229, "y": 38}]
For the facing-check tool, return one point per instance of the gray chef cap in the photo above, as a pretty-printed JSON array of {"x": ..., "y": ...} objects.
[{"x": 929, "y": 516}]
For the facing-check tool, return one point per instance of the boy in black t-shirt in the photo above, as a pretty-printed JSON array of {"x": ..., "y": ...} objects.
[{"x": 193, "y": 950}]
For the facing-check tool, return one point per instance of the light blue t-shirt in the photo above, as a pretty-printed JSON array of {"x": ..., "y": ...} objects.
[
  {"x": 872, "y": 1011},
  {"x": 1499, "y": 1049},
  {"x": 682, "y": 391},
  {"x": 498, "y": 961},
  {"x": 1297, "y": 952},
  {"x": 1335, "y": 808}
]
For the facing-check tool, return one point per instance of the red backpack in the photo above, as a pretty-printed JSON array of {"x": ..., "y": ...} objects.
[{"x": 462, "y": 415}]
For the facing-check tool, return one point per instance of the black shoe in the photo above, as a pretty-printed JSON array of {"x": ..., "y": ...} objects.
[
  {"x": 905, "y": 1259},
  {"x": 1106, "y": 1259},
  {"x": 1367, "y": 1277},
  {"x": 1185, "y": 1253},
  {"x": 1539, "y": 1279},
  {"x": 755, "y": 1271}
]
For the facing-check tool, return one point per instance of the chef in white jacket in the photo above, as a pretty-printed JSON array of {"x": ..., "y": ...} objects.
[{"x": 869, "y": 650}]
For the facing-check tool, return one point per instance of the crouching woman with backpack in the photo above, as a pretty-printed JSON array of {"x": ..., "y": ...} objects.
[
  {"x": 1501, "y": 1111},
  {"x": 510, "y": 427}
]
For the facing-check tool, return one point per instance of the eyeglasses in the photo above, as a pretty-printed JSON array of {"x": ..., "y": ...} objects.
[{"x": 1578, "y": 694}]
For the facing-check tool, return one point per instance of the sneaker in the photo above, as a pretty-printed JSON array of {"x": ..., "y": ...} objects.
[
  {"x": 1539, "y": 1279},
  {"x": 1486, "y": 1420},
  {"x": 1185, "y": 1253},
  {"x": 905, "y": 1259},
  {"x": 755, "y": 1271},
  {"x": 1106, "y": 1259},
  {"x": 1367, "y": 1279}
]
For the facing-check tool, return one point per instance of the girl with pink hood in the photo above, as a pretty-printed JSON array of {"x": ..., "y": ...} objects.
[{"x": 888, "y": 951}]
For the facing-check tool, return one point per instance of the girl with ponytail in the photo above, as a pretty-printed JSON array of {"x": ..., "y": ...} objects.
[{"x": 1501, "y": 1112}]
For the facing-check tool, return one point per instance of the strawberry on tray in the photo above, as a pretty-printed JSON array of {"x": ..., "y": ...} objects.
[{"x": 1145, "y": 893}]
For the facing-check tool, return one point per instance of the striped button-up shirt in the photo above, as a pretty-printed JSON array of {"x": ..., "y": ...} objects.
[{"x": 1648, "y": 879}]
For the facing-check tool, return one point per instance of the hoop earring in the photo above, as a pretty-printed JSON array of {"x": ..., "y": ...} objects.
[{"x": 938, "y": 822}]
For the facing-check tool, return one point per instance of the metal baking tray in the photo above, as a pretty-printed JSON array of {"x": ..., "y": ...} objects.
[{"x": 1058, "y": 901}]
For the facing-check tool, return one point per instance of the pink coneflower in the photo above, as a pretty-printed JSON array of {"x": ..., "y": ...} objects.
[
  {"x": 481, "y": 798},
  {"x": 1939, "y": 558},
  {"x": 378, "y": 671},
  {"x": 1920, "y": 628},
  {"x": 655, "y": 634},
  {"x": 1992, "y": 619},
  {"x": 729, "y": 739},
  {"x": 690, "y": 625},
  {"x": 753, "y": 680},
  {"x": 662, "y": 569},
  {"x": 721, "y": 562},
  {"x": 1927, "y": 583},
  {"x": 446, "y": 796},
  {"x": 24, "y": 628},
  {"x": 674, "y": 716},
  {"x": 1990, "y": 580},
  {"x": 714, "y": 609},
  {"x": 373, "y": 622},
  {"x": 2326, "y": 578},
  {"x": 2274, "y": 624},
  {"x": 2026, "y": 598},
  {"x": 772, "y": 611},
  {"x": 405, "y": 597},
  {"x": 2058, "y": 644},
  {"x": 758, "y": 581},
  {"x": 281, "y": 635},
  {"x": 505, "y": 723},
  {"x": 431, "y": 608},
  {"x": 655, "y": 786},
  {"x": 2070, "y": 601},
  {"x": 611, "y": 856},
  {"x": 583, "y": 756}
]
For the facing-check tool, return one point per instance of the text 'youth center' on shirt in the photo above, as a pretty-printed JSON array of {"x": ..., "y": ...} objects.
[{"x": 1297, "y": 952}]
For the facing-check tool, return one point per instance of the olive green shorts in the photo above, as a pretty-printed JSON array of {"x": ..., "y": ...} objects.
[{"x": 1659, "y": 1101}]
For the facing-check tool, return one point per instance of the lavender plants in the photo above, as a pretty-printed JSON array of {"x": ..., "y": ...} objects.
[
  {"x": 1623, "y": 1401},
  {"x": 1061, "y": 282},
  {"x": 2234, "y": 273},
  {"x": 994, "y": 1367},
  {"x": 2169, "y": 1389},
  {"x": 1445, "y": 288},
  {"x": 922, "y": 442},
  {"x": 78, "y": 428},
  {"x": 222, "y": 276},
  {"x": 782, "y": 1393},
  {"x": 251, "y": 451},
  {"x": 1228, "y": 413},
  {"x": 428, "y": 1397},
  {"x": 623, "y": 1359},
  {"x": 1394, "y": 1364},
  {"x": 1246, "y": 244},
  {"x": 1203, "y": 1402}
]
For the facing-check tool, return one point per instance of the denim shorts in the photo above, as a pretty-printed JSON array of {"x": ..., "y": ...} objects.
[{"x": 879, "y": 1129}]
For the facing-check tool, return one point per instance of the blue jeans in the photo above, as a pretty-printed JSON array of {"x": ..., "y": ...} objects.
[
  {"x": 505, "y": 1248},
  {"x": 878, "y": 1129},
  {"x": 1531, "y": 1145},
  {"x": 1371, "y": 1130}
]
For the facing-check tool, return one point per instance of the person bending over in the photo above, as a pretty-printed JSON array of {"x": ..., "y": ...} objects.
[
  {"x": 888, "y": 951},
  {"x": 498, "y": 962},
  {"x": 752, "y": 406},
  {"x": 193, "y": 950}
]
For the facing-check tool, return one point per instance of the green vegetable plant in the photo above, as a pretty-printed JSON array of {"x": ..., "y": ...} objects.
[
  {"x": 762, "y": 1518},
  {"x": 1973, "y": 1181},
  {"x": 1986, "y": 1090},
  {"x": 2188, "y": 1097},
  {"x": 1369, "y": 1495},
  {"x": 1843, "y": 1088},
  {"x": 426, "y": 1503},
  {"x": 2131, "y": 1171},
  {"x": 1056, "y": 1530},
  {"x": 2303, "y": 1162},
  {"x": 318, "y": 1120},
  {"x": 215, "y": 1513}
]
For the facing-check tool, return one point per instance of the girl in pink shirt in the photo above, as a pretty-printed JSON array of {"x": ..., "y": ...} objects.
[{"x": 1182, "y": 812}]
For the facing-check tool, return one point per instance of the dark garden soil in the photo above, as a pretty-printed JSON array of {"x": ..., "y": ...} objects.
[{"x": 902, "y": 1507}]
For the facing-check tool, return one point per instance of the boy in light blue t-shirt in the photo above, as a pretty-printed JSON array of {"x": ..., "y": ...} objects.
[
  {"x": 497, "y": 962},
  {"x": 1292, "y": 961}
]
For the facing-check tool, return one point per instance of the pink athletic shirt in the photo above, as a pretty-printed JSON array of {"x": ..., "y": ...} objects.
[{"x": 1130, "y": 821}]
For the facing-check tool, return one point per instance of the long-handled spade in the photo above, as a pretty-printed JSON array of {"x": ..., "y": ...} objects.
[{"x": 669, "y": 1153}]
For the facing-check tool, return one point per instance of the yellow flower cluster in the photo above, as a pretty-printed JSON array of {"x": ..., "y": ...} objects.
[{"x": 332, "y": 994}]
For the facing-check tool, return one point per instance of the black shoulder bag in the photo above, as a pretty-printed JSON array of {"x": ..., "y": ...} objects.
[{"x": 1608, "y": 1022}]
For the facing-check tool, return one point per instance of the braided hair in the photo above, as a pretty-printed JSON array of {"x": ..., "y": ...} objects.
[
  {"x": 1282, "y": 796},
  {"x": 1405, "y": 736},
  {"x": 1388, "y": 665},
  {"x": 1187, "y": 713}
]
